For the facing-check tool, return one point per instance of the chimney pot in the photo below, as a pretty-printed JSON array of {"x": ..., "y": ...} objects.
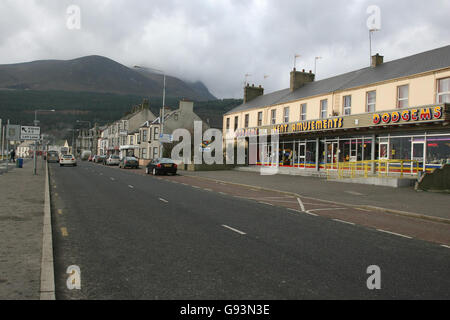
[
  {"x": 303, "y": 70},
  {"x": 377, "y": 60}
]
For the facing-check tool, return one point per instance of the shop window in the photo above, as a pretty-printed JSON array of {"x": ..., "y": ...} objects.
[
  {"x": 273, "y": 116},
  {"x": 347, "y": 105},
  {"x": 236, "y": 120},
  {"x": 438, "y": 150},
  {"x": 443, "y": 91},
  {"x": 370, "y": 101},
  {"x": 402, "y": 96},
  {"x": 260, "y": 118},
  {"x": 286, "y": 114},
  {"x": 323, "y": 108},
  {"x": 400, "y": 148},
  {"x": 247, "y": 117},
  {"x": 303, "y": 112}
]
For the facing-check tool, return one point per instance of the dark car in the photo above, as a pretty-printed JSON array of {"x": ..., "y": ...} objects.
[
  {"x": 53, "y": 156},
  {"x": 100, "y": 159},
  {"x": 129, "y": 162},
  {"x": 161, "y": 166}
]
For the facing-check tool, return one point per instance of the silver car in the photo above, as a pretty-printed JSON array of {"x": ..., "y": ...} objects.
[{"x": 113, "y": 160}]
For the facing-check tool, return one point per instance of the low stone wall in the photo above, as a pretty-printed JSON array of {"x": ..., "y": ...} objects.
[{"x": 438, "y": 180}]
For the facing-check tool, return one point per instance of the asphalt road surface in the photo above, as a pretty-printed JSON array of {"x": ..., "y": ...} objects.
[{"x": 140, "y": 237}]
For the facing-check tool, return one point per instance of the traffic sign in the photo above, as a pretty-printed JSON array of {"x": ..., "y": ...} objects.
[{"x": 30, "y": 133}]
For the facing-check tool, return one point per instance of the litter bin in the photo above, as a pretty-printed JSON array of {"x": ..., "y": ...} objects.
[{"x": 19, "y": 163}]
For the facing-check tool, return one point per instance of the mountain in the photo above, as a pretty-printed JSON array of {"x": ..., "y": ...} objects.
[{"x": 96, "y": 74}]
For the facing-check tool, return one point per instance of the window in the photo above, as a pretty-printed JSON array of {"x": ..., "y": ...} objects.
[
  {"x": 156, "y": 133},
  {"x": 371, "y": 99},
  {"x": 131, "y": 140},
  {"x": 443, "y": 91},
  {"x": 247, "y": 116},
  {"x": 402, "y": 96},
  {"x": 347, "y": 105},
  {"x": 144, "y": 153},
  {"x": 273, "y": 116},
  {"x": 260, "y": 116},
  {"x": 175, "y": 117},
  {"x": 236, "y": 119},
  {"x": 286, "y": 114},
  {"x": 323, "y": 108},
  {"x": 228, "y": 124},
  {"x": 144, "y": 135},
  {"x": 303, "y": 112},
  {"x": 155, "y": 152}
]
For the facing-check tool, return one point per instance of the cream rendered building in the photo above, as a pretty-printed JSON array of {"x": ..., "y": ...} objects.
[{"x": 390, "y": 110}]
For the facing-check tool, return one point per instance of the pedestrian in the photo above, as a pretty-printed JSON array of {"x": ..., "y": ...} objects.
[{"x": 13, "y": 155}]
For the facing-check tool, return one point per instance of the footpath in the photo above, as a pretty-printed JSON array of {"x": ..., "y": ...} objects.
[
  {"x": 395, "y": 200},
  {"x": 22, "y": 196}
]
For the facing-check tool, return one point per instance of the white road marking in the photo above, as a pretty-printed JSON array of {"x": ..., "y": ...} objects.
[
  {"x": 301, "y": 204},
  {"x": 233, "y": 229},
  {"x": 344, "y": 221},
  {"x": 443, "y": 245},
  {"x": 327, "y": 209},
  {"x": 222, "y": 193},
  {"x": 163, "y": 200},
  {"x": 112, "y": 179},
  {"x": 195, "y": 187},
  {"x": 362, "y": 209},
  {"x": 295, "y": 210},
  {"x": 396, "y": 234},
  {"x": 130, "y": 186},
  {"x": 311, "y": 214},
  {"x": 206, "y": 189},
  {"x": 269, "y": 204}
]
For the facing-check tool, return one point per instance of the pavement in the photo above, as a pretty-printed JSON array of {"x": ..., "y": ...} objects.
[
  {"x": 21, "y": 225},
  {"x": 405, "y": 199},
  {"x": 135, "y": 236}
]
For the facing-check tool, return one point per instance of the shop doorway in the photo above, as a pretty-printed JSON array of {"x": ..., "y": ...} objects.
[
  {"x": 383, "y": 151},
  {"x": 418, "y": 153},
  {"x": 301, "y": 161},
  {"x": 332, "y": 155}
]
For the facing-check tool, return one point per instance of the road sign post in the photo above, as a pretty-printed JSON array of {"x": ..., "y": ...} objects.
[{"x": 31, "y": 133}]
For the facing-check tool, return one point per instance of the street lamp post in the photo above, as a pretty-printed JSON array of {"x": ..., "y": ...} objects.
[
  {"x": 36, "y": 123},
  {"x": 163, "y": 102},
  {"x": 370, "y": 44},
  {"x": 315, "y": 64}
]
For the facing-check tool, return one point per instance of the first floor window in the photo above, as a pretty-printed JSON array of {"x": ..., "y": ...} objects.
[
  {"x": 273, "y": 116},
  {"x": 402, "y": 96},
  {"x": 347, "y": 105},
  {"x": 323, "y": 108},
  {"x": 303, "y": 112},
  {"x": 443, "y": 90},
  {"x": 286, "y": 115},
  {"x": 371, "y": 101},
  {"x": 156, "y": 133},
  {"x": 236, "y": 119},
  {"x": 228, "y": 124},
  {"x": 260, "y": 118},
  {"x": 247, "y": 116}
]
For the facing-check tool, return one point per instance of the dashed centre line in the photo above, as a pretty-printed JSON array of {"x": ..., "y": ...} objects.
[
  {"x": 163, "y": 200},
  {"x": 64, "y": 232},
  {"x": 342, "y": 221},
  {"x": 233, "y": 229},
  {"x": 130, "y": 186}
]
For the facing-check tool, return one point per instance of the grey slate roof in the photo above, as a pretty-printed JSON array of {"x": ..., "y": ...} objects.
[{"x": 426, "y": 61}]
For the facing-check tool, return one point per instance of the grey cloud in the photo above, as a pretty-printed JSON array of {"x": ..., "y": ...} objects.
[{"x": 218, "y": 42}]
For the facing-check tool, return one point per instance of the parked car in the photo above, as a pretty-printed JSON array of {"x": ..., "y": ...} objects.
[
  {"x": 161, "y": 166},
  {"x": 100, "y": 159},
  {"x": 129, "y": 162},
  {"x": 67, "y": 159},
  {"x": 52, "y": 156},
  {"x": 112, "y": 160}
]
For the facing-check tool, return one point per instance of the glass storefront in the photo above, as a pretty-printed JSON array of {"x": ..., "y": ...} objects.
[{"x": 429, "y": 150}]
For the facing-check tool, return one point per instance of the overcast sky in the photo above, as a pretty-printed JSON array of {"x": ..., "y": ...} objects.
[{"x": 218, "y": 41}]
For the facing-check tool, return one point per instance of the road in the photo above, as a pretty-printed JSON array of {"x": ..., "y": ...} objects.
[{"x": 142, "y": 237}]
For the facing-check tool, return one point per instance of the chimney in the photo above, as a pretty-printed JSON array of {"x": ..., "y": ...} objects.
[
  {"x": 299, "y": 78},
  {"x": 186, "y": 106},
  {"x": 252, "y": 92},
  {"x": 376, "y": 60}
]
